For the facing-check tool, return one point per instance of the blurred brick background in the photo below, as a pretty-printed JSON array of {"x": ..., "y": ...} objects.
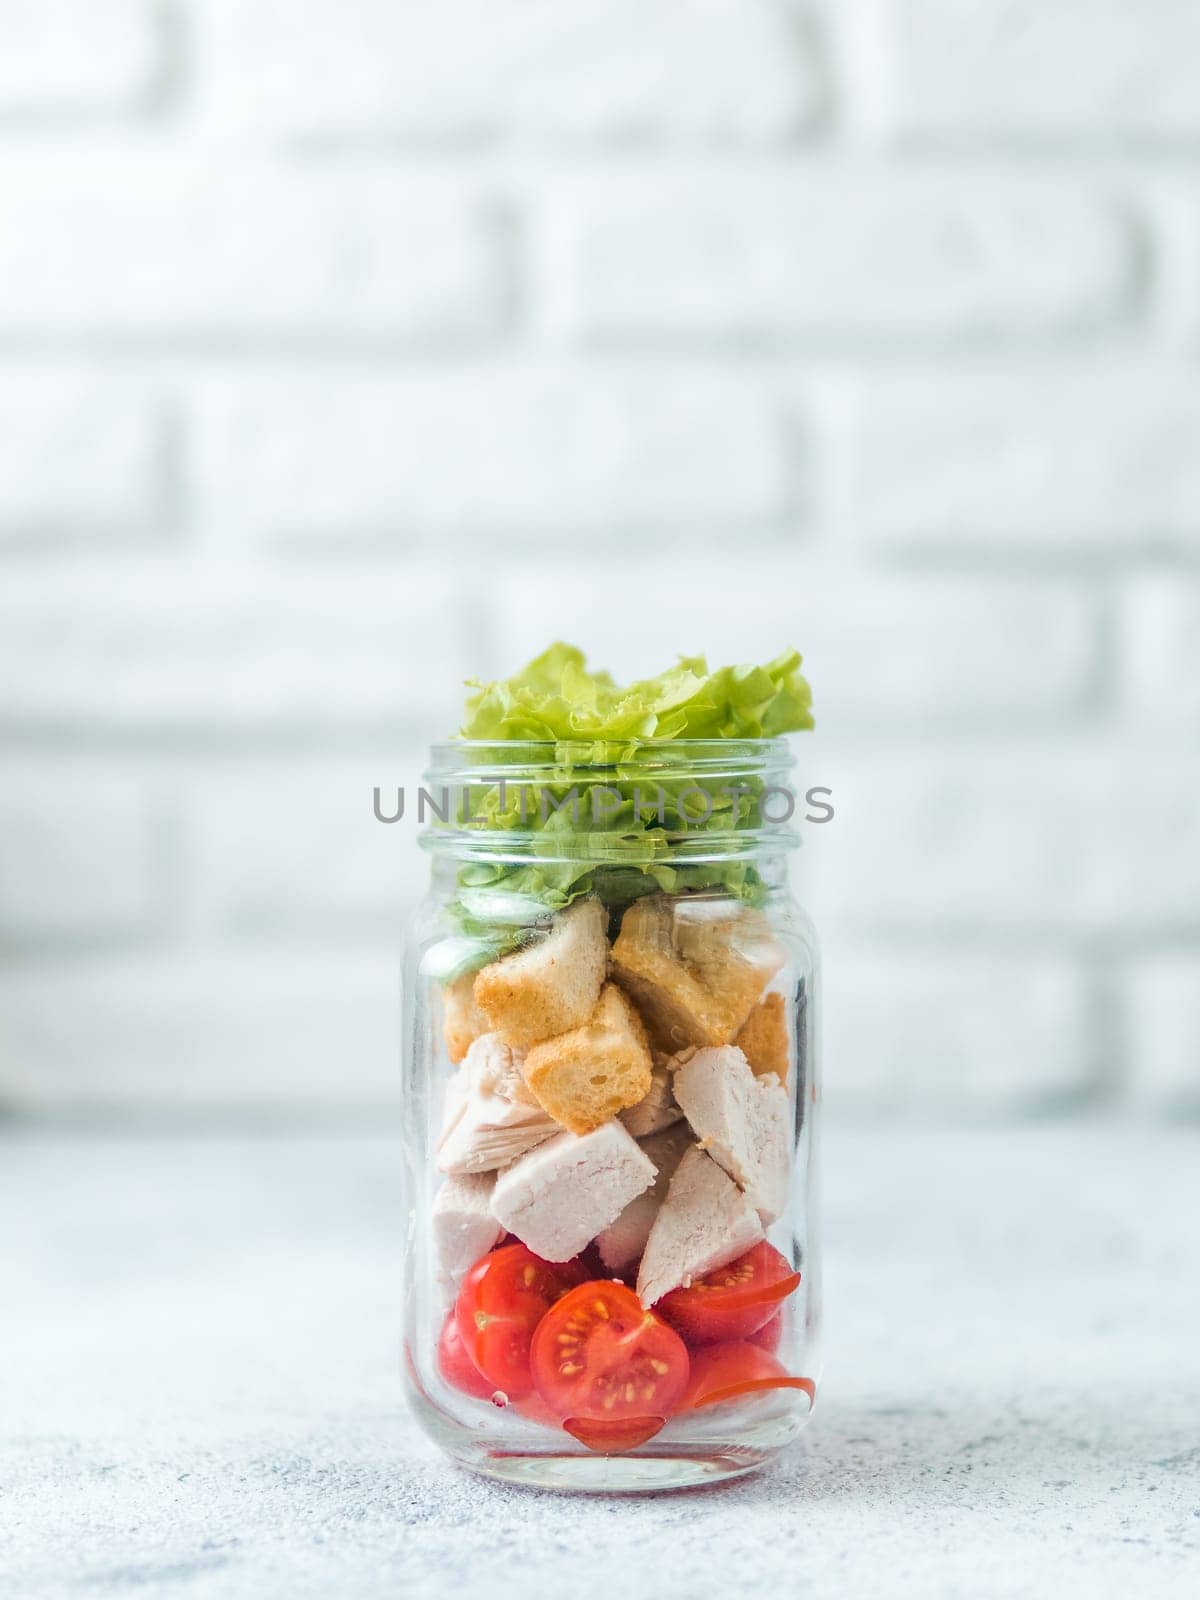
[{"x": 351, "y": 346}]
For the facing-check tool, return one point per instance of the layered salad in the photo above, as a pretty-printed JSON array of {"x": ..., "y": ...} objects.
[{"x": 621, "y": 1081}]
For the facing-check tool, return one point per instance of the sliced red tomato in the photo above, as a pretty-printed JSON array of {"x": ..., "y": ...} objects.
[
  {"x": 734, "y": 1301},
  {"x": 729, "y": 1371},
  {"x": 610, "y": 1370},
  {"x": 456, "y": 1366},
  {"x": 769, "y": 1335},
  {"x": 502, "y": 1299}
]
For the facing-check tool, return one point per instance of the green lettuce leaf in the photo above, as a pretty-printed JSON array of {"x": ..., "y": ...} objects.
[{"x": 556, "y": 697}]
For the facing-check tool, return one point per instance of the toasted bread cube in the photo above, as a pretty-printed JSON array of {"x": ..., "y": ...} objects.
[
  {"x": 656, "y": 1109},
  {"x": 560, "y": 1196},
  {"x": 764, "y": 1039},
  {"x": 584, "y": 1077},
  {"x": 551, "y": 986},
  {"x": 622, "y": 1242},
  {"x": 695, "y": 968},
  {"x": 742, "y": 1121},
  {"x": 704, "y": 1223},
  {"x": 462, "y": 1020}
]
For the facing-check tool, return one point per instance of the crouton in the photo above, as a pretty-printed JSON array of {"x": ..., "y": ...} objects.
[
  {"x": 764, "y": 1038},
  {"x": 656, "y": 1109},
  {"x": 704, "y": 1223},
  {"x": 584, "y": 1077},
  {"x": 742, "y": 1121},
  {"x": 551, "y": 986},
  {"x": 694, "y": 968},
  {"x": 462, "y": 1020}
]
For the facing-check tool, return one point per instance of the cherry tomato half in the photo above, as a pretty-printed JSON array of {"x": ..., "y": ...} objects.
[
  {"x": 731, "y": 1302},
  {"x": 456, "y": 1366},
  {"x": 502, "y": 1299},
  {"x": 610, "y": 1370},
  {"x": 729, "y": 1371}
]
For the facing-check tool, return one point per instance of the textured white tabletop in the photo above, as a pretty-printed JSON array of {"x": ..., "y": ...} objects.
[{"x": 198, "y": 1390}]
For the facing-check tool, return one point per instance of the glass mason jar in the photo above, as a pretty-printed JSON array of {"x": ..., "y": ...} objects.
[{"x": 610, "y": 1087}]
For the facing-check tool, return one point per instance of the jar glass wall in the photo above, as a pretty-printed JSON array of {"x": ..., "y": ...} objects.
[{"x": 610, "y": 1087}]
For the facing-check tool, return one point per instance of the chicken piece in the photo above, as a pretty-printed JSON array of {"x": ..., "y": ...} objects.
[
  {"x": 656, "y": 1109},
  {"x": 622, "y": 1242},
  {"x": 482, "y": 1127},
  {"x": 584, "y": 1077},
  {"x": 704, "y": 1223},
  {"x": 495, "y": 1067},
  {"x": 742, "y": 1121},
  {"x": 551, "y": 986},
  {"x": 560, "y": 1196},
  {"x": 695, "y": 968},
  {"x": 764, "y": 1038},
  {"x": 462, "y": 1020},
  {"x": 463, "y": 1225}
]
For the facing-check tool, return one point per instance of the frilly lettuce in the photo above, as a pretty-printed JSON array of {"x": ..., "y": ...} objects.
[{"x": 556, "y": 697}]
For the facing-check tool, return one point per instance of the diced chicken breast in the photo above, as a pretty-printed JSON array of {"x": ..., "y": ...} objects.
[
  {"x": 656, "y": 1109},
  {"x": 552, "y": 985},
  {"x": 742, "y": 1121},
  {"x": 464, "y": 1228},
  {"x": 560, "y": 1196},
  {"x": 622, "y": 1242},
  {"x": 704, "y": 1222},
  {"x": 497, "y": 1068},
  {"x": 483, "y": 1129}
]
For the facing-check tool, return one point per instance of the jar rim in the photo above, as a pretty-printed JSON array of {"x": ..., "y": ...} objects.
[
  {"x": 590, "y": 768},
  {"x": 776, "y": 743}
]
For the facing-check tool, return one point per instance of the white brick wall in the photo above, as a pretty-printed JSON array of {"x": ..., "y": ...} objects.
[
  {"x": 84, "y": 857},
  {"x": 526, "y": 451},
  {"x": 83, "y": 457},
  {"x": 1163, "y": 1033},
  {"x": 1050, "y": 70},
  {"x": 169, "y": 648},
  {"x": 619, "y": 70},
  {"x": 1097, "y": 457},
  {"x": 1160, "y": 639},
  {"x": 961, "y": 651},
  {"x": 350, "y": 348},
  {"x": 825, "y": 251},
  {"x": 164, "y": 244},
  {"x": 76, "y": 58},
  {"x": 974, "y": 1036}
]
